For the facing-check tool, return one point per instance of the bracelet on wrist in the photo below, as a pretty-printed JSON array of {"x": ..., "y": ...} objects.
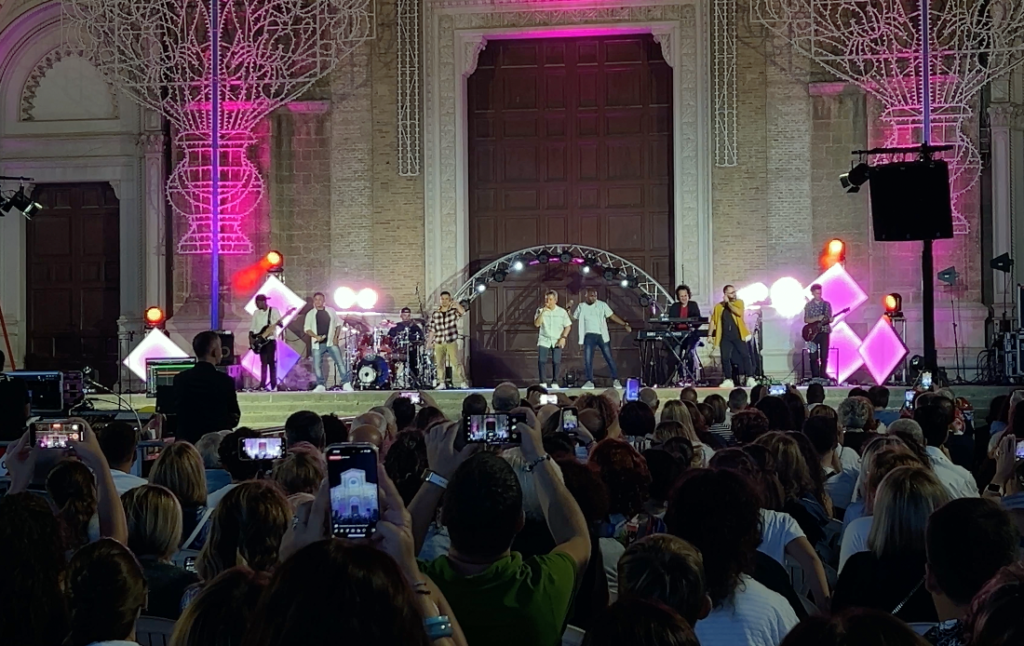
[
  {"x": 534, "y": 464},
  {"x": 438, "y": 627}
]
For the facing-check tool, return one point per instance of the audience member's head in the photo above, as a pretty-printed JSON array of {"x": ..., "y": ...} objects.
[
  {"x": 33, "y": 611},
  {"x": 823, "y": 410},
  {"x": 390, "y": 422},
  {"x": 879, "y": 396},
  {"x": 333, "y": 592},
  {"x": 934, "y": 423},
  {"x": 666, "y": 569},
  {"x": 405, "y": 463},
  {"x": 856, "y": 414},
  {"x": 72, "y": 487},
  {"x": 757, "y": 393},
  {"x": 366, "y": 434},
  {"x": 760, "y": 471},
  {"x": 665, "y": 469},
  {"x": 636, "y": 419},
  {"x": 823, "y": 432},
  {"x": 998, "y": 410},
  {"x": 483, "y": 507},
  {"x": 206, "y": 346},
  {"x": 304, "y": 426},
  {"x": 790, "y": 464},
  {"x": 797, "y": 409},
  {"x": 534, "y": 392},
  {"x": 994, "y": 616},
  {"x": 405, "y": 413},
  {"x": 427, "y": 418},
  {"x": 106, "y": 592},
  {"x": 737, "y": 400},
  {"x": 246, "y": 527},
  {"x": 649, "y": 396},
  {"x": 222, "y": 611},
  {"x": 154, "y": 521},
  {"x": 301, "y": 470},
  {"x": 967, "y": 542},
  {"x": 777, "y": 413},
  {"x": 231, "y": 459},
  {"x": 118, "y": 441},
  {"x": 505, "y": 397},
  {"x": 209, "y": 449},
  {"x": 688, "y": 394},
  {"x": 335, "y": 430},
  {"x": 815, "y": 394},
  {"x": 683, "y": 449},
  {"x": 640, "y": 622},
  {"x": 719, "y": 406},
  {"x": 719, "y": 513},
  {"x": 625, "y": 473},
  {"x": 884, "y": 461},
  {"x": 700, "y": 425},
  {"x": 748, "y": 425},
  {"x": 853, "y": 628},
  {"x": 905, "y": 499},
  {"x": 857, "y": 391},
  {"x": 474, "y": 404},
  {"x": 180, "y": 469},
  {"x": 608, "y": 411},
  {"x": 908, "y": 427},
  {"x": 676, "y": 411}
]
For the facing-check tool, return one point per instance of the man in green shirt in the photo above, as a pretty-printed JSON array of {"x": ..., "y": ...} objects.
[{"x": 499, "y": 597}]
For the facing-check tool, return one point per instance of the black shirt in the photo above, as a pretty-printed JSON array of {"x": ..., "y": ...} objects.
[
  {"x": 206, "y": 402},
  {"x": 166, "y": 583},
  {"x": 881, "y": 584},
  {"x": 730, "y": 331},
  {"x": 415, "y": 331},
  {"x": 323, "y": 322},
  {"x": 692, "y": 311}
]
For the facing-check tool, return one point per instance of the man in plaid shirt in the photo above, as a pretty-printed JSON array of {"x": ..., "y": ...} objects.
[{"x": 443, "y": 332}]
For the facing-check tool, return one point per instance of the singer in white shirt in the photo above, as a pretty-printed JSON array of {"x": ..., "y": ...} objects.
[{"x": 321, "y": 325}]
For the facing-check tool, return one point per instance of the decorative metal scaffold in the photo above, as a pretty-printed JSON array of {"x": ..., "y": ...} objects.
[
  {"x": 926, "y": 67},
  {"x": 215, "y": 69}
]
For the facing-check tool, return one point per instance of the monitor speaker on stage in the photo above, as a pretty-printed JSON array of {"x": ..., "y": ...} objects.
[
  {"x": 910, "y": 201},
  {"x": 227, "y": 344}
]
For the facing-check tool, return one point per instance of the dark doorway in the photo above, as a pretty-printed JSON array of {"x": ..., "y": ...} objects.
[
  {"x": 73, "y": 283},
  {"x": 570, "y": 141}
]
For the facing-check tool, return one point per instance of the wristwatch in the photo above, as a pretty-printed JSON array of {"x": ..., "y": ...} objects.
[
  {"x": 994, "y": 488},
  {"x": 435, "y": 479}
]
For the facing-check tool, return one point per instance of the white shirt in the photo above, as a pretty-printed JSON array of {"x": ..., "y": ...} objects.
[
  {"x": 593, "y": 319},
  {"x": 753, "y": 616},
  {"x": 958, "y": 481},
  {"x": 611, "y": 552},
  {"x": 778, "y": 529},
  {"x": 840, "y": 487},
  {"x": 848, "y": 458},
  {"x": 310, "y": 324},
  {"x": 214, "y": 498},
  {"x": 125, "y": 481},
  {"x": 855, "y": 538},
  {"x": 263, "y": 318},
  {"x": 551, "y": 326}
]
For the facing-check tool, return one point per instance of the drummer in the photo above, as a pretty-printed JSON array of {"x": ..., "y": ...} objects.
[{"x": 414, "y": 337}]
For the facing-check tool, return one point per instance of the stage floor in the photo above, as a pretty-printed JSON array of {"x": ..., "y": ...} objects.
[{"x": 262, "y": 410}]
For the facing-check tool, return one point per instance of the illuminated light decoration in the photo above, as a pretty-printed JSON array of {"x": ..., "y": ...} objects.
[
  {"x": 893, "y": 305},
  {"x": 843, "y": 353},
  {"x": 287, "y": 358},
  {"x": 154, "y": 317},
  {"x": 345, "y": 297},
  {"x": 155, "y": 345},
  {"x": 366, "y": 298},
  {"x": 753, "y": 293},
  {"x": 280, "y": 297},
  {"x": 517, "y": 264},
  {"x": 882, "y": 350},
  {"x": 840, "y": 289},
  {"x": 788, "y": 297}
]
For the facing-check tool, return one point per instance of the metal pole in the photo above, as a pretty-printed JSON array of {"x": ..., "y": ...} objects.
[
  {"x": 215, "y": 163},
  {"x": 927, "y": 280}
]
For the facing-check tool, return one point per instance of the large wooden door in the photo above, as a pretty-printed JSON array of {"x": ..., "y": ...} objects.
[
  {"x": 570, "y": 141},
  {"x": 73, "y": 290}
]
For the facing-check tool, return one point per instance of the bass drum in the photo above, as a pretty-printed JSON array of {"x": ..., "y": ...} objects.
[{"x": 372, "y": 374}]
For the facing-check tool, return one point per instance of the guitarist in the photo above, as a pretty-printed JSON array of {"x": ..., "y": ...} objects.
[
  {"x": 264, "y": 326},
  {"x": 818, "y": 310}
]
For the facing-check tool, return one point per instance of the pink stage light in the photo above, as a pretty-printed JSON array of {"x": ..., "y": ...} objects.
[
  {"x": 344, "y": 297},
  {"x": 788, "y": 297},
  {"x": 752, "y": 294},
  {"x": 155, "y": 345},
  {"x": 843, "y": 353},
  {"x": 366, "y": 298},
  {"x": 882, "y": 350},
  {"x": 286, "y": 360},
  {"x": 839, "y": 288},
  {"x": 279, "y": 296}
]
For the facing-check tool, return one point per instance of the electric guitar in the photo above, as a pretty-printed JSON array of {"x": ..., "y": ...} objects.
[
  {"x": 258, "y": 340},
  {"x": 812, "y": 330}
]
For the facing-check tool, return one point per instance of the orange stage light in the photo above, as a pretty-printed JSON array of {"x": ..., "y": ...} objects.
[
  {"x": 154, "y": 316},
  {"x": 274, "y": 259},
  {"x": 835, "y": 246}
]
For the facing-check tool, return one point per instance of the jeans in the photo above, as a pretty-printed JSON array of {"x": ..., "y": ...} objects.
[
  {"x": 542, "y": 359},
  {"x": 739, "y": 348},
  {"x": 590, "y": 341},
  {"x": 268, "y": 359},
  {"x": 819, "y": 359},
  {"x": 335, "y": 352}
]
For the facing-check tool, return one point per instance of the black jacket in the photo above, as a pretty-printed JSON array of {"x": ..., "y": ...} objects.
[{"x": 205, "y": 400}]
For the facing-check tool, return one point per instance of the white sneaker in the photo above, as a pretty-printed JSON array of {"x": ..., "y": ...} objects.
[
  {"x": 440, "y": 386},
  {"x": 588, "y": 386},
  {"x": 320, "y": 388},
  {"x": 726, "y": 383},
  {"x": 554, "y": 387},
  {"x": 617, "y": 384},
  {"x": 751, "y": 382},
  {"x": 347, "y": 387},
  {"x": 464, "y": 386}
]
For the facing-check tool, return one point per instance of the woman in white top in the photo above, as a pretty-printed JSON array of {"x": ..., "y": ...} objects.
[
  {"x": 676, "y": 411},
  {"x": 106, "y": 594}
]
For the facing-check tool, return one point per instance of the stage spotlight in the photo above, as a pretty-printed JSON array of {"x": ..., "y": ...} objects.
[
  {"x": 565, "y": 257},
  {"x": 948, "y": 276},
  {"x": 893, "y": 305},
  {"x": 788, "y": 297},
  {"x": 753, "y": 294},
  {"x": 610, "y": 273},
  {"x": 366, "y": 298},
  {"x": 836, "y": 247},
  {"x": 1002, "y": 263},
  {"x": 624, "y": 283},
  {"x": 589, "y": 264},
  {"x": 857, "y": 176},
  {"x": 499, "y": 275},
  {"x": 585, "y": 269},
  {"x": 645, "y": 300},
  {"x": 543, "y": 257},
  {"x": 835, "y": 252},
  {"x": 20, "y": 202},
  {"x": 517, "y": 264},
  {"x": 481, "y": 287},
  {"x": 154, "y": 318},
  {"x": 344, "y": 297},
  {"x": 274, "y": 261},
  {"x": 633, "y": 282}
]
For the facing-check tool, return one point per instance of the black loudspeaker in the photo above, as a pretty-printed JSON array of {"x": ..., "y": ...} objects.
[
  {"x": 227, "y": 344},
  {"x": 910, "y": 201}
]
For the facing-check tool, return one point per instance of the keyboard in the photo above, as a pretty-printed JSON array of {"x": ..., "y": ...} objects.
[
  {"x": 648, "y": 335},
  {"x": 673, "y": 321}
]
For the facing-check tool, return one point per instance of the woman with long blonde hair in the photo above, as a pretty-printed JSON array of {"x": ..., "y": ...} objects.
[
  {"x": 675, "y": 411},
  {"x": 180, "y": 469}
]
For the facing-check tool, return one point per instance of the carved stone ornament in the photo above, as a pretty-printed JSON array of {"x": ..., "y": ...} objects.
[
  {"x": 1006, "y": 115},
  {"x": 152, "y": 143},
  {"x": 35, "y": 77}
]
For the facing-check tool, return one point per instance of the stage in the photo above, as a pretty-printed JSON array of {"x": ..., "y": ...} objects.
[{"x": 262, "y": 410}]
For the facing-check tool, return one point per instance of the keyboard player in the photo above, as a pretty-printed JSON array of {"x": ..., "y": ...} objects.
[{"x": 683, "y": 308}]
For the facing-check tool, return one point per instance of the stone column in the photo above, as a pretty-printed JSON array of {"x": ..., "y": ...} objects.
[
  {"x": 153, "y": 143},
  {"x": 1001, "y": 123}
]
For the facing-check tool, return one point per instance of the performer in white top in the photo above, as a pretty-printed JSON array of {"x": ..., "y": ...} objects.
[
  {"x": 593, "y": 316},
  {"x": 321, "y": 325},
  {"x": 555, "y": 325},
  {"x": 262, "y": 333}
]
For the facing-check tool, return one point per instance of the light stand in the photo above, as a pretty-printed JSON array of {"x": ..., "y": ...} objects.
[{"x": 949, "y": 277}]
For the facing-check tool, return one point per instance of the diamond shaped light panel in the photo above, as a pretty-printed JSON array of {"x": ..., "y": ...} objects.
[
  {"x": 286, "y": 360},
  {"x": 279, "y": 296},
  {"x": 155, "y": 345},
  {"x": 839, "y": 288},
  {"x": 882, "y": 350},
  {"x": 843, "y": 355}
]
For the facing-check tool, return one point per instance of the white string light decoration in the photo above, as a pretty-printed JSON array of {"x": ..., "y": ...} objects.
[
  {"x": 876, "y": 44},
  {"x": 270, "y": 51}
]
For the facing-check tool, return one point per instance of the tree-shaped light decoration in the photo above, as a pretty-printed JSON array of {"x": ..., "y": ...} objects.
[
  {"x": 161, "y": 53},
  {"x": 877, "y": 45}
]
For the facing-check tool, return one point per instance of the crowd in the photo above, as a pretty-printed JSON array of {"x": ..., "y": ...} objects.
[{"x": 749, "y": 520}]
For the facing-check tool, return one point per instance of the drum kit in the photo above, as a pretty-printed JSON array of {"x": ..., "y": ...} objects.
[{"x": 389, "y": 362}]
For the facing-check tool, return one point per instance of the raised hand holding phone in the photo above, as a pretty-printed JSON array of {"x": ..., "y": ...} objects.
[{"x": 442, "y": 457}]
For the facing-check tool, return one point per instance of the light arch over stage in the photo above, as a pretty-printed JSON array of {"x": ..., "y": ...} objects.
[{"x": 598, "y": 260}]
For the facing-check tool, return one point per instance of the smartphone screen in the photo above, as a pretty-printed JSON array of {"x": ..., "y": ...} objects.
[
  {"x": 777, "y": 390},
  {"x": 926, "y": 380},
  {"x": 548, "y": 399},
  {"x": 190, "y": 564},
  {"x": 632, "y": 390},
  {"x": 261, "y": 448},
  {"x": 908, "y": 399},
  {"x": 55, "y": 434},
  {"x": 493, "y": 428},
  {"x": 414, "y": 397},
  {"x": 352, "y": 478},
  {"x": 570, "y": 420},
  {"x": 1020, "y": 449}
]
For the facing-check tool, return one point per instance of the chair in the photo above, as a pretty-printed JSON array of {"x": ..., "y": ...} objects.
[
  {"x": 797, "y": 577},
  {"x": 153, "y": 631},
  {"x": 573, "y": 636}
]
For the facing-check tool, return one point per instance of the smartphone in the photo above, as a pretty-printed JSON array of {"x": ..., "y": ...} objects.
[
  {"x": 55, "y": 434},
  {"x": 260, "y": 448},
  {"x": 926, "y": 380},
  {"x": 548, "y": 399},
  {"x": 494, "y": 428},
  {"x": 190, "y": 564},
  {"x": 777, "y": 390},
  {"x": 355, "y": 498},
  {"x": 414, "y": 397},
  {"x": 908, "y": 399},
  {"x": 632, "y": 390},
  {"x": 570, "y": 420},
  {"x": 1020, "y": 449}
]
